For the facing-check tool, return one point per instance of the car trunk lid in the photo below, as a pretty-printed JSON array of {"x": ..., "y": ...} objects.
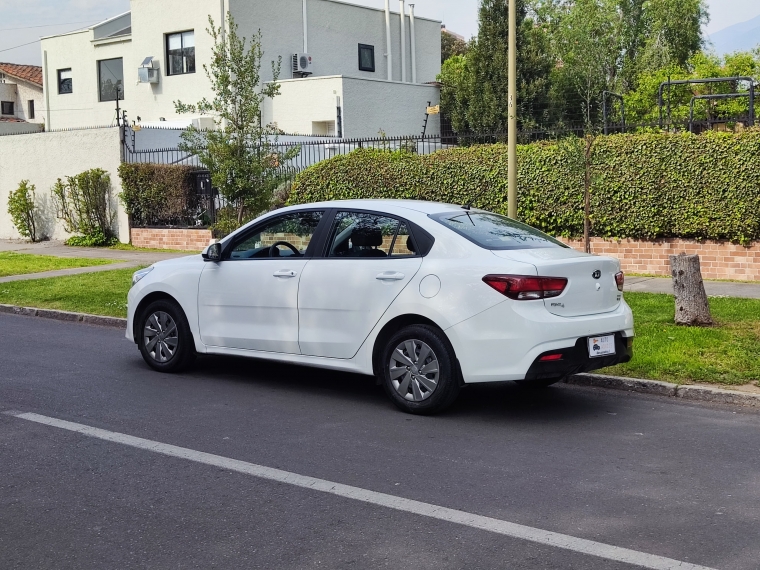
[{"x": 591, "y": 287}]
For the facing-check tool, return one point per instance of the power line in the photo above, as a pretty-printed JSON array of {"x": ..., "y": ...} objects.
[
  {"x": 48, "y": 25},
  {"x": 34, "y": 42}
]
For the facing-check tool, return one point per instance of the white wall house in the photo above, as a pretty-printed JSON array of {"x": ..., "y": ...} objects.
[
  {"x": 363, "y": 76},
  {"x": 21, "y": 99}
]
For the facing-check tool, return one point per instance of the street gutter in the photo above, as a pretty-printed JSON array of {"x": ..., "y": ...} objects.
[{"x": 640, "y": 386}]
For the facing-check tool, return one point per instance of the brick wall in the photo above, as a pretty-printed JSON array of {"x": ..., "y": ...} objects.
[
  {"x": 166, "y": 238},
  {"x": 719, "y": 260}
]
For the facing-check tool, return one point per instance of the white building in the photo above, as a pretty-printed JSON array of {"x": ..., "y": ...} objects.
[
  {"x": 347, "y": 70},
  {"x": 21, "y": 99}
]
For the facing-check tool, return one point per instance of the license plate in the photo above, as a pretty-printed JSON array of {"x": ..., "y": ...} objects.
[{"x": 601, "y": 345}]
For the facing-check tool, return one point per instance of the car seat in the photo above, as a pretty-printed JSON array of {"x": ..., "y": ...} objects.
[{"x": 365, "y": 241}]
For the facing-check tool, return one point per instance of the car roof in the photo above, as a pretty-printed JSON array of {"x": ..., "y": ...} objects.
[{"x": 421, "y": 206}]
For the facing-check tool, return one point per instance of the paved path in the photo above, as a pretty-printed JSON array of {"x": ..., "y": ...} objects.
[
  {"x": 713, "y": 288},
  {"x": 57, "y": 248},
  {"x": 72, "y": 271},
  {"x": 228, "y": 466}
]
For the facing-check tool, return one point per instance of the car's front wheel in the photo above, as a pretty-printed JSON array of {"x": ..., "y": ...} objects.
[
  {"x": 164, "y": 337},
  {"x": 419, "y": 370}
]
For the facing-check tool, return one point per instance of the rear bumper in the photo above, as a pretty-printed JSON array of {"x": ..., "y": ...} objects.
[{"x": 576, "y": 360}]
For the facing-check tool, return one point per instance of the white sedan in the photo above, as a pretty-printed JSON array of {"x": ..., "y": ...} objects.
[{"x": 426, "y": 297}]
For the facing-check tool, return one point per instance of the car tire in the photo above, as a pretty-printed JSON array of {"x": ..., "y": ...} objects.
[
  {"x": 161, "y": 348},
  {"x": 419, "y": 370}
]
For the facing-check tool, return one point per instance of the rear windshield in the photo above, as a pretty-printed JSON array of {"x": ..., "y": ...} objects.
[{"x": 492, "y": 231}]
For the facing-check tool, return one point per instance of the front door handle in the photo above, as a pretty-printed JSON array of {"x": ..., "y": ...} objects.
[
  {"x": 286, "y": 273},
  {"x": 390, "y": 276}
]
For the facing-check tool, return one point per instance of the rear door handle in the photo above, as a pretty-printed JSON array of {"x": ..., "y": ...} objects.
[
  {"x": 390, "y": 276},
  {"x": 287, "y": 273}
]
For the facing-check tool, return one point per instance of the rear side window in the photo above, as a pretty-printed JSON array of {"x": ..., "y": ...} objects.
[{"x": 492, "y": 231}]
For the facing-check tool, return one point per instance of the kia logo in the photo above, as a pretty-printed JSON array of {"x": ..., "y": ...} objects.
[{"x": 597, "y": 274}]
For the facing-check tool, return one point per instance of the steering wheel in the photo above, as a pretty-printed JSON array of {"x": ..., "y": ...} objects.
[{"x": 274, "y": 249}]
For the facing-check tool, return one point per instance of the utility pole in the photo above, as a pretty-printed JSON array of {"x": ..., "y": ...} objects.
[{"x": 512, "y": 125}]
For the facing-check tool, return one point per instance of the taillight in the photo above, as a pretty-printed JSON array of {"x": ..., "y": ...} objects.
[
  {"x": 526, "y": 288},
  {"x": 620, "y": 280}
]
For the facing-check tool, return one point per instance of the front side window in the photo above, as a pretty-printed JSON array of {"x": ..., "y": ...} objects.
[
  {"x": 356, "y": 234},
  {"x": 366, "y": 58},
  {"x": 6, "y": 108},
  {"x": 65, "y": 82},
  {"x": 492, "y": 231},
  {"x": 180, "y": 53},
  {"x": 285, "y": 236},
  {"x": 111, "y": 79}
]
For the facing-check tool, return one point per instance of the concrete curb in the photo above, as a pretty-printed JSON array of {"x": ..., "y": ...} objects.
[
  {"x": 110, "y": 322},
  {"x": 687, "y": 392}
]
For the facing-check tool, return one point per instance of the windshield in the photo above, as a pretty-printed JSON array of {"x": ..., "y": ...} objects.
[{"x": 492, "y": 231}]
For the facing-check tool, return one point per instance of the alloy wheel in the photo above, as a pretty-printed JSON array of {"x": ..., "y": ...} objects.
[
  {"x": 414, "y": 370},
  {"x": 161, "y": 337}
]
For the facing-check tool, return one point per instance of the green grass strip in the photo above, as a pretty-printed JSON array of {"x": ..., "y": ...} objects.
[
  {"x": 22, "y": 263},
  {"x": 103, "y": 293}
]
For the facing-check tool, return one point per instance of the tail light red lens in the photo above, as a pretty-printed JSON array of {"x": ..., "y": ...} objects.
[
  {"x": 620, "y": 280},
  {"x": 526, "y": 288},
  {"x": 551, "y": 358}
]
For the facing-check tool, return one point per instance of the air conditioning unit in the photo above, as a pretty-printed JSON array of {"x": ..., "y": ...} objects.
[
  {"x": 302, "y": 65},
  {"x": 148, "y": 71}
]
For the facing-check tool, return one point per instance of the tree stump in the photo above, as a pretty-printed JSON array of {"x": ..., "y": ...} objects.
[{"x": 692, "y": 307}]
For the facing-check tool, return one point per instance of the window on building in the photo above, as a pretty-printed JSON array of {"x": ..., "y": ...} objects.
[
  {"x": 366, "y": 58},
  {"x": 6, "y": 108},
  {"x": 111, "y": 79},
  {"x": 180, "y": 53},
  {"x": 65, "y": 84},
  {"x": 31, "y": 109}
]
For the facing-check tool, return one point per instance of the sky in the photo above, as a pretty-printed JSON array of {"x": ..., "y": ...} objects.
[{"x": 51, "y": 17}]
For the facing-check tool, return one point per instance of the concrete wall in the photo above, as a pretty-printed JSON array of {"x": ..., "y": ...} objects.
[
  {"x": 303, "y": 102},
  {"x": 81, "y": 53},
  {"x": 43, "y": 158},
  {"x": 19, "y": 128},
  {"x": 151, "y": 22},
  {"x": 398, "y": 109},
  {"x": 29, "y": 92},
  {"x": 335, "y": 31}
]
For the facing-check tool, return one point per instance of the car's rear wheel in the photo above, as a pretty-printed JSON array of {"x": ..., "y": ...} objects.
[
  {"x": 419, "y": 371},
  {"x": 164, "y": 337}
]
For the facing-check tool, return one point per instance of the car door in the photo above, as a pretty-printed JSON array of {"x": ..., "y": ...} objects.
[
  {"x": 249, "y": 300},
  {"x": 368, "y": 260}
]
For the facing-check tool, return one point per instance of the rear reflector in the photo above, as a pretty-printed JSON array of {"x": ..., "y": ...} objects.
[
  {"x": 525, "y": 287},
  {"x": 620, "y": 280},
  {"x": 550, "y": 358}
]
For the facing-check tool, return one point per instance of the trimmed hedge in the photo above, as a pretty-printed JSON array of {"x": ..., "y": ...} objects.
[
  {"x": 158, "y": 194},
  {"x": 643, "y": 186}
]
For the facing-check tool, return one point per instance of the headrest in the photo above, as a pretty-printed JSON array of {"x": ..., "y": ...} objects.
[
  {"x": 410, "y": 244},
  {"x": 364, "y": 236}
]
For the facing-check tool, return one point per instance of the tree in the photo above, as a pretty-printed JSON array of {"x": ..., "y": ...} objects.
[
  {"x": 241, "y": 152},
  {"x": 451, "y": 46},
  {"x": 476, "y": 86},
  {"x": 23, "y": 210}
]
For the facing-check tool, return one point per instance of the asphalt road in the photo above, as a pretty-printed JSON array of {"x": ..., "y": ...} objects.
[{"x": 653, "y": 475}]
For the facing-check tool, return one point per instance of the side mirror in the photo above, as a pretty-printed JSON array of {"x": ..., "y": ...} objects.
[{"x": 213, "y": 252}]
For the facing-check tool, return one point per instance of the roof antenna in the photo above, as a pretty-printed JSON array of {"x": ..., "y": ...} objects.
[{"x": 467, "y": 207}]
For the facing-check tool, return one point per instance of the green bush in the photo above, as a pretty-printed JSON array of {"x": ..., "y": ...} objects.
[
  {"x": 23, "y": 210},
  {"x": 642, "y": 186},
  {"x": 83, "y": 202},
  {"x": 158, "y": 194}
]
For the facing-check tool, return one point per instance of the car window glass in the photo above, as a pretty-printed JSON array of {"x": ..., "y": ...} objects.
[
  {"x": 404, "y": 244},
  {"x": 285, "y": 236},
  {"x": 362, "y": 235},
  {"x": 492, "y": 231}
]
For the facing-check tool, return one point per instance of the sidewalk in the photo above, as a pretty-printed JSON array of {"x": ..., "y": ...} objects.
[
  {"x": 57, "y": 249},
  {"x": 713, "y": 288}
]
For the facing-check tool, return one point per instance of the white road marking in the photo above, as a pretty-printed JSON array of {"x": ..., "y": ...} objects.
[{"x": 488, "y": 524}]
